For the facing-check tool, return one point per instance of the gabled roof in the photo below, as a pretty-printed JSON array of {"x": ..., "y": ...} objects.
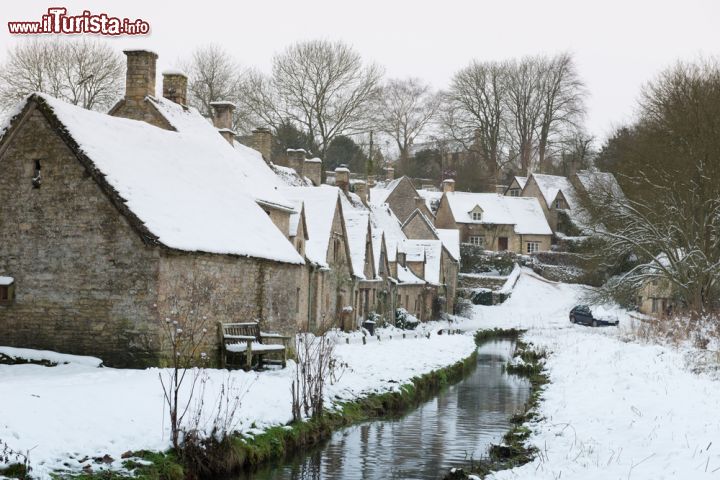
[
  {"x": 430, "y": 251},
  {"x": 524, "y": 213},
  {"x": 450, "y": 238},
  {"x": 431, "y": 197},
  {"x": 599, "y": 183},
  {"x": 320, "y": 204},
  {"x": 521, "y": 181},
  {"x": 422, "y": 217},
  {"x": 550, "y": 185},
  {"x": 384, "y": 219},
  {"x": 183, "y": 189},
  {"x": 357, "y": 225}
]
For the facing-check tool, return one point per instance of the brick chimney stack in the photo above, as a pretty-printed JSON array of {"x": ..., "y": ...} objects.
[
  {"x": 262, "y": 142},
  {"x": 342, "y": 178},
  {"x": 296, "y": 160},
  {"x": 361, "y": 191},
  {"x": 140, "y": 76},
  {"x": 448, "y": 185},
  {"x": 175, "y": 86},
  {"x": 222, "y": 119},
  {"x": 313, "y": 170}
]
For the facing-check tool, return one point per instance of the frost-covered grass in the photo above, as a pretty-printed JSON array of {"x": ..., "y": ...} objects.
[{"x": 73, "y": 411}]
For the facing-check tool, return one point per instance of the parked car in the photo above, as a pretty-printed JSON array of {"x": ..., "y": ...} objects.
[{"x": 582, "y": 314}]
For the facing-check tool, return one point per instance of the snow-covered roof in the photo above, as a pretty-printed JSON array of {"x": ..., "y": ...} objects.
[
  {"x": 189, "y": 188},
  {"x": 599, "y": 183},
  {"x": 450, "y": 238},
  {"x": 524, "y": 213},
  {"x": 550, "y": 185},
  {"x": 319, "y": 203},
  {"x": 357, "y": 219},
  {"x": 431, "y": 197},
  {"x": 5, "y": 281},
  {"x": 384, "y": 219},
  {"x": 406, "y": 276},
  {"x": 521, "y": 181},
  {"x": 379, "y": 194},
  {"x": 257, "y": 178},
  {"x": 431, "y": 251},
  {"x": 289, "y": 177}
]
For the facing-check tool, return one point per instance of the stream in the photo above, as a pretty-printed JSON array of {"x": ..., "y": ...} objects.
[{"x": 457, "y": 425}]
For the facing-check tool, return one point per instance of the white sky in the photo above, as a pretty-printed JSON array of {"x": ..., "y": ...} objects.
[{"x": 618, "y": 45}]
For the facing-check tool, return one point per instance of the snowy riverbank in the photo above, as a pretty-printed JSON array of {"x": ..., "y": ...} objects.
[
  {"x": 73, "y": 411},
  {"x": 614, "y": 408}
]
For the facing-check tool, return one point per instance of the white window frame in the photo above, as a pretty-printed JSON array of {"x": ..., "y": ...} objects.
[
  {"x": 477, "y": 216},
  {"x": 477, "y": 240},
  {"x": 514, "y": 192},
  {"x": 532, "y": 247}
]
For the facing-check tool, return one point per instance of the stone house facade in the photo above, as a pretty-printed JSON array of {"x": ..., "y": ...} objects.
[
  {"x": 91, "y": 275},
  {"x": 495, "y": 222}
]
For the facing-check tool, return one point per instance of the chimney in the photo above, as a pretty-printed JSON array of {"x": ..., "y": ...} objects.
[
  {"x": 222, "y": 119},
  {"x": 313, "y": 170},
  {"x": 262, "y": 142},
  {"x": 140, "y": 76},
  {"x": 175, "y": 86},
  {"x": 342, "y": 178},
  {"x": 400, "y": 257},
  {"x": 371, "y": 181},
  {"x": 448, "y": 185},
  {"x": 361, "y": 191},
  {"x": 390, "y": 173},
  {"x": 296, "y": 160}
]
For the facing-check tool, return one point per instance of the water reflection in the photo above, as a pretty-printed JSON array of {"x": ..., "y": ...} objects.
[{"x": 447, "y": 431}]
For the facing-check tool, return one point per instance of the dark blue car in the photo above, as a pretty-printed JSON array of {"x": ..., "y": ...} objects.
[{"x": 581, "y": 314}]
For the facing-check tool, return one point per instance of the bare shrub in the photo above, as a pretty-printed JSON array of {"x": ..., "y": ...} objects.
[
  {"x": 10, "y": 456},
  {"x": 316, "y": 365}
]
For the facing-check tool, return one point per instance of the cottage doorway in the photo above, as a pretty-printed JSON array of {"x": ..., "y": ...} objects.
[{"x": 502, "y": 243}]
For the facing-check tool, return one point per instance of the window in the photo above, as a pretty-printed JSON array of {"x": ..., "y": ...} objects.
[
  {"x": 655, "y": 305},
  {"x": 478, "y": 240},
  {"x": 532, "y": 247},
  {"x": 7, "y": 290},
  {"x": 559, "y": 203},
  {"x": 477, "y": 216},
  {"x": 514, "y": 192},
  {"x": 37, "y": 179}
]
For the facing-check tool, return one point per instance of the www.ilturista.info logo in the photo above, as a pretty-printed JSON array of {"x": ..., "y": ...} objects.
[{"x": 57, "y": 21}]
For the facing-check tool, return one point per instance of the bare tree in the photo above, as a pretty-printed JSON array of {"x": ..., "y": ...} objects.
[
  {"x": 562, "y": 97},
  {"x": 214, "y": 76},
  {"x": 525, "y": 105},
  {"x": 669, "y": 165},
  {"x": 83, "y": 72},
  {"x": 475, "y": 109},
  {"x": 406, "y": 108},
  {"x": 322, "y": 86}
]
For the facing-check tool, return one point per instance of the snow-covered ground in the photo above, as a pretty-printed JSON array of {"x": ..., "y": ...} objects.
[
  {"x": 67, "y": 413},
  {"x": 614, "y": 409}
]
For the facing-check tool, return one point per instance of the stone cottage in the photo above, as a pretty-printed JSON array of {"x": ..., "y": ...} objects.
[
  {"x": 495, "y": 222},
  {"x": 112, "y": 225}
]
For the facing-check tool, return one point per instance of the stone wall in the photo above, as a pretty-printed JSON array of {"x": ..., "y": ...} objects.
[
  {"x": 417, "y": 228},
  {"x": 85, "y": 282},
  {"x": 402, "y": 199},
  {"x": 225, "y": 288}
]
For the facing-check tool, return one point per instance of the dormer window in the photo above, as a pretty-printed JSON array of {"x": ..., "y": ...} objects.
[{"x": 476, "y": 214}]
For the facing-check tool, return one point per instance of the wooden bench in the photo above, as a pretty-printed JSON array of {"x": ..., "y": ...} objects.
[{"x": 240, "y": 342}]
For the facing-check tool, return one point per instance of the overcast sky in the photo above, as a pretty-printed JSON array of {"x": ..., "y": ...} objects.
[{"x": 618, "y": 45}]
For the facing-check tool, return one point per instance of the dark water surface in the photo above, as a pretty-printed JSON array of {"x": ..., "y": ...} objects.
[{"x": 445, "y": 432}]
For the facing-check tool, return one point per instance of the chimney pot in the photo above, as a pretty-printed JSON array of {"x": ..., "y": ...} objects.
[
  {"x": 175, "y": 86},
  {"x": 342, "y": 178},
  {"x": 140, "y": 75},
  {"x": 262, "y": 142},
  {"x": 448, "y": 185},
  {"x": 296, "y": 160},
  {"x": 222, "y": 119}
]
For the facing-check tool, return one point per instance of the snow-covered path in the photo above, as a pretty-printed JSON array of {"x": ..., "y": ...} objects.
[{"x": 614, "y": 409}]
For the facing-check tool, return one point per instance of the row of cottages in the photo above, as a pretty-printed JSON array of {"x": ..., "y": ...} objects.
[
  {"x": 487, "y": 220},
  {"x": 560, "y": 197},
  {"x": 115, "y": 223}
]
